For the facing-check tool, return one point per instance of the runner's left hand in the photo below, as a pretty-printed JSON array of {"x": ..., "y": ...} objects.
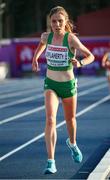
[{"x": 75, "y": 62}]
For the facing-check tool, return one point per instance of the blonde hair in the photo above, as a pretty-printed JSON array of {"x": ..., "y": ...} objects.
[{"x": 69, "y": 26}]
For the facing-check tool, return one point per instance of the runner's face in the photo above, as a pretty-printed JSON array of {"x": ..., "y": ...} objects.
[{"x": 58, "y": 23}]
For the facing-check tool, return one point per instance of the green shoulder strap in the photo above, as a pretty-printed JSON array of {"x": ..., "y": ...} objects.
[
  {"x": 50, "y": 36},
  {"x": 65, "y": 43},
  {"x": 65, "y": 40}
]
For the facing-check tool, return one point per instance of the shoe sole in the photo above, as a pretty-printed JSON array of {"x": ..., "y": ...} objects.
[{"x": 49, "y": 172}]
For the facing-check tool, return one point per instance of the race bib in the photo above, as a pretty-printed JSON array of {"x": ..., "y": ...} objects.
[{"x": 57, "y": 56}]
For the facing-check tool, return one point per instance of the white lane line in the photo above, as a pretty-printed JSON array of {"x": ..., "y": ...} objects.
[
  {"x": 106, "y": 98},
  {"x": 18, "y": 93},
  {"x": 24, "y": 100},
  {"x": 12, "y": 118},
  {"x": 21, "y": 147},
  {"x": 17, "y": 88},
  {"x": 22, "y": 114},
  {"x": 90, "y": 82},
  {"x": 92, "y": 89},
  {"x": 22, "y": 92},
  {"x": 41, "y": 95}
]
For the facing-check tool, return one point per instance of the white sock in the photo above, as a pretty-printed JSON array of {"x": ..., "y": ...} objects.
[
  {"x": 72, "y": 144},
  {"x": 51, "y": 160}
]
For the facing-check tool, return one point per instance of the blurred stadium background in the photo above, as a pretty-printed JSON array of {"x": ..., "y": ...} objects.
[{"x": 22, "y": 22}]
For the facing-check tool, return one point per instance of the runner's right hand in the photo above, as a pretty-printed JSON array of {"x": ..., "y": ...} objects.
[{"x": 35, "y": 66}]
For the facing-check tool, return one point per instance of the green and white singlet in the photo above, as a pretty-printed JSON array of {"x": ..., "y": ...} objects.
[{"x": 58, "y": 56}]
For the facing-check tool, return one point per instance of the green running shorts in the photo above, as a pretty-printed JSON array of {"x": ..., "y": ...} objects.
[{"x": 62, "y": 89}]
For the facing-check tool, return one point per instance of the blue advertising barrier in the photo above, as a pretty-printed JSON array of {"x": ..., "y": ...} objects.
[{"x": 18, "y": 54}]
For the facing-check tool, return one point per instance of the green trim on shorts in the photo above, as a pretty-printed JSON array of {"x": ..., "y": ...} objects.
[{"x": 62, "y": 89}]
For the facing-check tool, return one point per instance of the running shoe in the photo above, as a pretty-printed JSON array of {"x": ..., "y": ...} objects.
[
  {"x": 50, "y": 167},
  {"x": 75, "y": 152}
]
